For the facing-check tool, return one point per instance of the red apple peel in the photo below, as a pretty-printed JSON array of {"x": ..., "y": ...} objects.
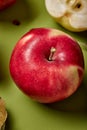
[{"x": 47, "y": 65}]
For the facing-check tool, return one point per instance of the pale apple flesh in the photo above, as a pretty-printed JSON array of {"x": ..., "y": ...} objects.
[
  {"x": 47, "y": 65},
  {"x": 71, "y": 14}
]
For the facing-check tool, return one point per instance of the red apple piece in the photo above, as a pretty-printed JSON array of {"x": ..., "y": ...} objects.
[
  {"x": 47, "y": 65},
  {"x": 6, "y": 3}
]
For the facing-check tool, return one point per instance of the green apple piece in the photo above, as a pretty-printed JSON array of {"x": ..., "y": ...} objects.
[{"x": 71, "y": 14}]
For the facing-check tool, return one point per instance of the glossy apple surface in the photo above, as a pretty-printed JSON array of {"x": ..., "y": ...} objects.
[
  {"x": 47, "y": 65},
  {"x": 6, "y": 3}
]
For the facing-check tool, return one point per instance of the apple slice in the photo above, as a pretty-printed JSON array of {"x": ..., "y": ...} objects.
[
  {"x": 47, "y": 65},
  {"x": 3, "y": 114},
  {"x": 71, "y": 14},
  {"x": 6, "y": 3}
]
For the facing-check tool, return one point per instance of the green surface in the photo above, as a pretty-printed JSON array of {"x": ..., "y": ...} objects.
[{"x": 23, "y": 113}]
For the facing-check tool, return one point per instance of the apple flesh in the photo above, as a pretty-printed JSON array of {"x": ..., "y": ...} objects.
[
  {"x": 6, "y": 3},
  {"x": 71, "y": 14},
  {"x": 47, "y": 65}
]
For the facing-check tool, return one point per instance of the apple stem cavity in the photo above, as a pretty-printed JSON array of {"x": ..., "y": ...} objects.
[{"x": 52, "y": 51}]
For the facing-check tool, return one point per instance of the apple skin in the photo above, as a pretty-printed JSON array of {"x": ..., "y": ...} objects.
[
  {"x": 47, "y": 80},
  {"x": 6, "y": 3},
  {"x": 64, "y": 22}
]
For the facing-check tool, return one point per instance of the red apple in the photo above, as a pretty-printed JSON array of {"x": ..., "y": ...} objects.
[
  {"x": 47, "y": 65},
  {"x": 6, "y": 3}
]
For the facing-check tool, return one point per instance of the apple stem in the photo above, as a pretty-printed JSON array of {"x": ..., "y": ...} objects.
[{"x": 52, "y": 51}]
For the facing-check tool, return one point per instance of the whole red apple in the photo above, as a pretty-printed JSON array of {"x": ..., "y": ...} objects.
[
  {"x": 6, "y": 3},
  {"x": 47, "y": 65}
]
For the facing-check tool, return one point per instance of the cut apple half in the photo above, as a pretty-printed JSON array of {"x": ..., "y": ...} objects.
[{"x": 71, "y": 14}]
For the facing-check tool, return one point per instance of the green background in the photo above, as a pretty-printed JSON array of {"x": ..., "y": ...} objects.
[{"x": 23, "y": 113}]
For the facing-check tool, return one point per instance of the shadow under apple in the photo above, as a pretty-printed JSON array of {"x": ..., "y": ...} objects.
[
  {"x": 9, "y": 121},
  {"x": 75, "y": 103},
  {"x": 22, "y": 10},
  {"x": 81, "y": 35},
  {"x": 4, "y": 72}
]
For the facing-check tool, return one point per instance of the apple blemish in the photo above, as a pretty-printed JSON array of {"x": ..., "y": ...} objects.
[
  {"x": 35, "y": 74},
  {"x": 16, "y": 22}
]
